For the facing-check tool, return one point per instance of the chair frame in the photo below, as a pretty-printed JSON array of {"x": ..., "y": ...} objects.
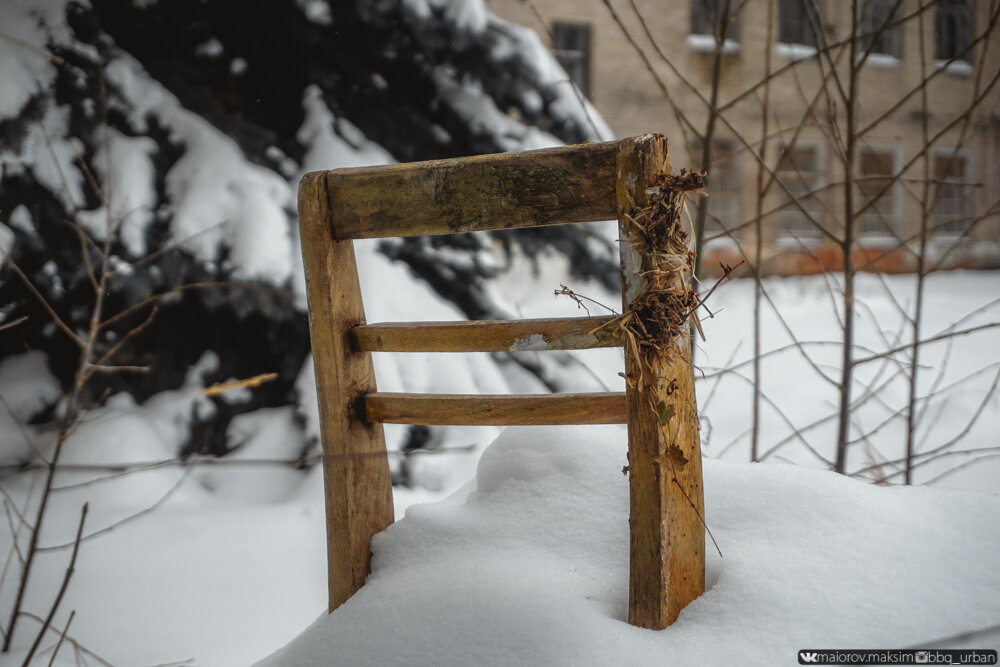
[{"x": 587, "y": 182}]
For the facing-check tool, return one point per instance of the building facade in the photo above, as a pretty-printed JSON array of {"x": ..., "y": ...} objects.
[{"x": 925, "y": 132}]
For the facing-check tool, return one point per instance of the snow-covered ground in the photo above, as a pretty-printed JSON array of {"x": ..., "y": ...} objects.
[
  {"x": 525, "y": 560},
  {"x": 527, "y": 563},
  {"x": 531, "y": 568}
]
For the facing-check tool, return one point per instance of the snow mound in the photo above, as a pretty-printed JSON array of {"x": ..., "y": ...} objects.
[
  {"x": 531, "y": 567},
  {"x": 27, "y": 386}
]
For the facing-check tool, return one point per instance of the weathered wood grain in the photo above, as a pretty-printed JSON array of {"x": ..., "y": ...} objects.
[
  {"x": 496, "y": 410},
  {"x": 567, "y": 333},
  {"x": 505, "y": 190},
  {"x": 355, "y": 465},
  {"x": 667, "y": 543}
]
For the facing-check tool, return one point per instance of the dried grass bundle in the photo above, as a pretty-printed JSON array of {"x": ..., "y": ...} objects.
[{"x": 659, "y": 315}]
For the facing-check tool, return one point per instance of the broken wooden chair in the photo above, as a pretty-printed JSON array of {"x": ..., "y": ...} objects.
[{"x": 589, "y": 182}]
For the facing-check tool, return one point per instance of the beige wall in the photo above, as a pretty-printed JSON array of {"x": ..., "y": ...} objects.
[{"x": 632, "y": 102}]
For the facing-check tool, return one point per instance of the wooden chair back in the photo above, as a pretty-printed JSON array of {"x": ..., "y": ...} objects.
[{"x": 587, "y": 182}]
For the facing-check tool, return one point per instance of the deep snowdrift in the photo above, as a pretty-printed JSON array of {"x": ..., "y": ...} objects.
[{"x": 530, "y": 567}]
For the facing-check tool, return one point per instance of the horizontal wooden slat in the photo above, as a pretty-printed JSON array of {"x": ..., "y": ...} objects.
[
  {"x": 495, "y": 410},
  {"x": 503, "y": 190},
  {"x": 567, "y": 333}
]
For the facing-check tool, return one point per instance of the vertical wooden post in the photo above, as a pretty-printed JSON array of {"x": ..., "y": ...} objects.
[
  {"x": 667, "y": 535},
  {"x": 355, "y": 465}
]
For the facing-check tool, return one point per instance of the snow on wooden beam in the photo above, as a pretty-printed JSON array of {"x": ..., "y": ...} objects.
[{"x": 566, "y": 333}]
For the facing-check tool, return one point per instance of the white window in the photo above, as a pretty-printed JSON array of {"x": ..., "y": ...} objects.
[
  {"x": 571, "y": 46},
  {"x": 799, "y": 20},
  {"x": 800, "y": 170},
  {"x": 876, "y": 169},
  {"x": 723, "y": 187},
  {"x": 952, "y": 194},
  {"x": 953, "y": 28},
  {"x": 876, "y": 33}
]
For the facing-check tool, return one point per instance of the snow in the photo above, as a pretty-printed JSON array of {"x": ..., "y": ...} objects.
[
  {"x": 210, "y": 48},
  {"x": 482, "y": 115},
  {"x": 527, "y": 561},
  {"x": 795, "y": 396},
  {"x": 794, "y": 51},
  {"x": 706, "y": 44},
  {"x": 26, "y": 385},
  {"x": 218, "y": 195},
  {"x": 328, "y": 149},
  {"x": 317, "y": 11},
  {"x": 268, "y": 434},
  {"x": 569, "y": 103},
  {"x": 126, "y": 170},
  {"x": 20, "y": 218},
  {"x": 238, "y": 66},
  {"x": 531, "y": 567},
  {"x": 955, "y": 375},
  {"x": 523, "y": 558},
  {"x": 883, "y": 61},
  {"x": 25, "y": 69},
  {"x": 508, "y": 43},
  {"x": 48, "y": 152},
  {"x": 6, "y": 242},
  {"x": 26, "y": 388},
  {"x": 956, "y": 67},
  {"x": 470, "y": 15},
  {"x": 121, "y": 435},
  {"x": 425, "y": 372},
  {"x": 530, "y": 343}
]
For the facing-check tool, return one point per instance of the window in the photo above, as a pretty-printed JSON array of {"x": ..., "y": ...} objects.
[
  {"x": 571, "y": 45},
  {"x": 876, "y": 169},
  {"x": 953, "y": 199},
  {"x": 723, "y": 186},
  {"x": 953, "y": 27},
  {"x": 707, "y": 15},
  {"x": 875, "y": 15},
  {"x": 798, "y": 21},
  {"x": 800, "y": 170}
]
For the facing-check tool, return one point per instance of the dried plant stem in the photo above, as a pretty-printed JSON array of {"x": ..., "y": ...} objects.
[
  {"x": 847, "y": 249},
  {"x": 758, "y": 248},
  {"x": 62, "y": 638},
  {"x": 77, "y": 646},
  {"x": 70, "y": 416},
  {"x": 62, "y": 588},
  {"x": 911, "y": 426},
  {"x": 32, "y": 550}
]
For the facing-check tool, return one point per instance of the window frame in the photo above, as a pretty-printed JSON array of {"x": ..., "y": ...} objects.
[
  {"x": 940, "y": 227},
  {"x": 570, "y": 56},
  {"x": 805, "y": 232},
  {"x": 965, "y": 12},
  {"x": 701, "y": 30},
  {"x": 713, "y": 223},
  {"x": 895, "y": 221},
  {"x": 799, "y": 44},
  {"x": 871, "y": 22}
]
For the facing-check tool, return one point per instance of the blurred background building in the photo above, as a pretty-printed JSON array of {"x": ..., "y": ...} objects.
[{"x": 926, "y": 77}]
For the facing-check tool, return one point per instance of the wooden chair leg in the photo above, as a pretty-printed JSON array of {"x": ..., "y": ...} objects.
[
  {"x": 355, "y": 463},
  {"x": 667, "y": 535}
]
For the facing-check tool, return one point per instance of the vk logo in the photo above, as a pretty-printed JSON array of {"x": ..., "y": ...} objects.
[{"x": 807, "y": 657}]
